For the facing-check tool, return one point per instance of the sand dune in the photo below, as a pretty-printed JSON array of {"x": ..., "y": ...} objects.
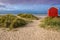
[{"x": 30, "y": 32}]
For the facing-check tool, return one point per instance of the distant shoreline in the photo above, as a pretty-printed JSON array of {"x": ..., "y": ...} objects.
[
  {"x": 37, "y": 15},
  {"x": 29, "y": 13}
]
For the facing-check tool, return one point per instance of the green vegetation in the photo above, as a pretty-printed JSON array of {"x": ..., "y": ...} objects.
[
  {"x": 11, "y": 21},
  {"x": 28, "y": 16},
  {"x": 51, "y": 23}
]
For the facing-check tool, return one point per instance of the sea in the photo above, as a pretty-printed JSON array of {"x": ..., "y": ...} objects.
[
  {"x": 26, "y": 12},
  {"x": 22, "y": 12}
]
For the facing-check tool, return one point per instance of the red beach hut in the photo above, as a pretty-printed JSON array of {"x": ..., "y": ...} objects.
[{"x": 53, "y": 12}]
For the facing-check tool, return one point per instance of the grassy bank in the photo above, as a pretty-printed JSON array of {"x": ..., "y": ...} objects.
[
  {"x": 12, "y": 21},
  {"x": 51, "y": 23},
  {"x": 28, "y": 16}
]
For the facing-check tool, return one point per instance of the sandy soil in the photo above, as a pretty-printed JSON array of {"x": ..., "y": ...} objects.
[{"x": 31, "y": 32}]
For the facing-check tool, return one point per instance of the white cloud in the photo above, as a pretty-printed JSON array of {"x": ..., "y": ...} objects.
[{"x": 7, "y": 7}]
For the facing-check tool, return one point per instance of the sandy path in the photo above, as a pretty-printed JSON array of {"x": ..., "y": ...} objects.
[{"x": 30, "y": 32}]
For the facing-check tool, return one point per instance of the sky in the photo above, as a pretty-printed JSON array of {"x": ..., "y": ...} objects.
[
  {"x": 39, "y": 6},
  {"x": 31, "y": 1}
]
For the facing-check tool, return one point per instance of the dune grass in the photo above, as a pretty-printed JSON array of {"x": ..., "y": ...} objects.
[
  {"x": 28, "y": 16},
  {"x": 51, "y": 23},
  {"x": 11, "y": 21}
]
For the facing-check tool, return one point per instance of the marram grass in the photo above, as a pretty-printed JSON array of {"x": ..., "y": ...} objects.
[
  {"x": 51, "y": 23},
  {"x": 28, "y": 16},
  {"x": 12, "y": 21}
]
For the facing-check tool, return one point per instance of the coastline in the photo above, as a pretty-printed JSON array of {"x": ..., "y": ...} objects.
[
  {"x": 30, "y": 32},
  {"x": 29, "y": 13}
]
